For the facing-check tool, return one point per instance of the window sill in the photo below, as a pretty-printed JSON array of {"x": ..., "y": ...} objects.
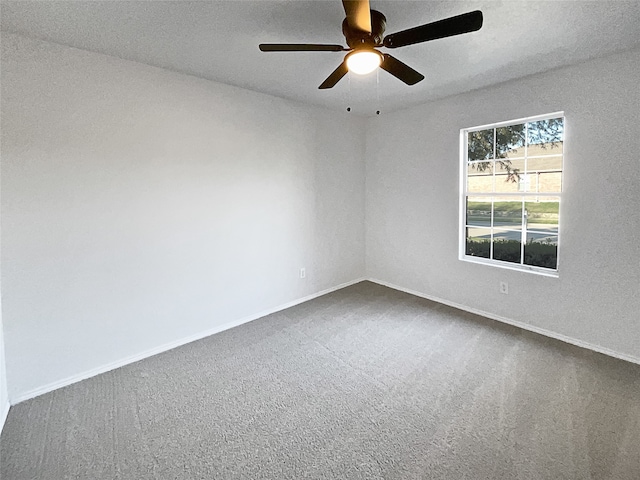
[{"x": 545, "y": 272}]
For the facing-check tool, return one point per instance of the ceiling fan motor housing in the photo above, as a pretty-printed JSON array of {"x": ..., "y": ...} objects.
[{"x": 358, "y": 38}]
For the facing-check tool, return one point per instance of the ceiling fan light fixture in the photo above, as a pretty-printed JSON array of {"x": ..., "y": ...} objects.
[{"x": 362, "y": 61}]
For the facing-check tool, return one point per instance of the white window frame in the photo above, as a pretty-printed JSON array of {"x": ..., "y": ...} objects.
[{"x": 463, "y": 198}]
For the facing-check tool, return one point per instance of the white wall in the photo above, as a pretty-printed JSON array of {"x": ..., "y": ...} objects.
[
  {"x": 4, "y": 394},
  {"x": 141, "y": 206},
  {"x": 412, "y": 195}
]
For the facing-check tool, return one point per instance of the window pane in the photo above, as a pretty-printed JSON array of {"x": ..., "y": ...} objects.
[
  {"x": 507, "y": 245},
  {"x": 551, "y": 163},
  {"x": 480, "y": 145},
  {"x": 545, "y": 137},
  {"x": 478, "y": 242},
  {"x": 510, "y": 141},
  {"x": 480, "y": 177},
  {"x": 546, "y": 174},
  {"x": 543, "y": 216},
  {"x": 507, "y": 213},
  {"x": 550, "y": 182},
  {"x": 479, "y": 211},
  {"x": 508, "y": 175},
  {"x": 541, "y": 250}
]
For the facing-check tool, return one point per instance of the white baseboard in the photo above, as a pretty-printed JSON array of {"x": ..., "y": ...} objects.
[
  {"x": 3, "y": 415},
  {"x": 515, "y": 323},
  {"x": 171, "y": 345},
  {"x": 167, "y": 346}
]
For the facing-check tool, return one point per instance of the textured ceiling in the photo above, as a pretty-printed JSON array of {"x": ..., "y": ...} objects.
[{"x": 218, "y": 40}]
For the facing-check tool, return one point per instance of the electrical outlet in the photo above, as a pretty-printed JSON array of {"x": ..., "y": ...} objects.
[
  {"x": 303, "y": 273},
  {"x": 504, "y": 288}
]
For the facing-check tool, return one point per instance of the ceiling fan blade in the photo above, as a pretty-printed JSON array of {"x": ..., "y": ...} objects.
[
  {"x": 465, "y": 23},
  {"x": 358, "y": 14},
  {"x": 401, "y": 70},
  {"x": 299, "y": 47},
  {"x": 335, "y": 76}
]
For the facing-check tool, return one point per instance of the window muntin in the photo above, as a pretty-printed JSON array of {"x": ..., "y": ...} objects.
[{"x": 511, "y": 191}]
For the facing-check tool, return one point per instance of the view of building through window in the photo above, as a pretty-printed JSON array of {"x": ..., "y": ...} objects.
[{"x": 511, "y": 192}]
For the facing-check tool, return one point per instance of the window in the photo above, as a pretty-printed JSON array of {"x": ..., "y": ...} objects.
[{"x": 511, "y": 185}]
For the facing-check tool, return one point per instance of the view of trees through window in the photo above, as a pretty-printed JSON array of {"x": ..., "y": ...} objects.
[{"x": 513, "y": 184}]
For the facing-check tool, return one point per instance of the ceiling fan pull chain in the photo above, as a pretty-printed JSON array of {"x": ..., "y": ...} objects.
[
  {"x": 348, "y": 90},
  {"x": 378, "y": 91}
]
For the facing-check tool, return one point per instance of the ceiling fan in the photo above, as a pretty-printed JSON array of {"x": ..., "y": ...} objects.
[{"x": 363, "y": 29}]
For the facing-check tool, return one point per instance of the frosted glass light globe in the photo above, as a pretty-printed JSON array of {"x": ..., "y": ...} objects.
[{"x": 363, "y": 62}]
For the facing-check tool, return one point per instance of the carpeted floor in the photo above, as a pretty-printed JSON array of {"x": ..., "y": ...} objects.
[{"x": 366, "y": 382}]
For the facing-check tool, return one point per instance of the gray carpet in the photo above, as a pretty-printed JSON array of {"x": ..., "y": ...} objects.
[{"x": 366, "y": 382}]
